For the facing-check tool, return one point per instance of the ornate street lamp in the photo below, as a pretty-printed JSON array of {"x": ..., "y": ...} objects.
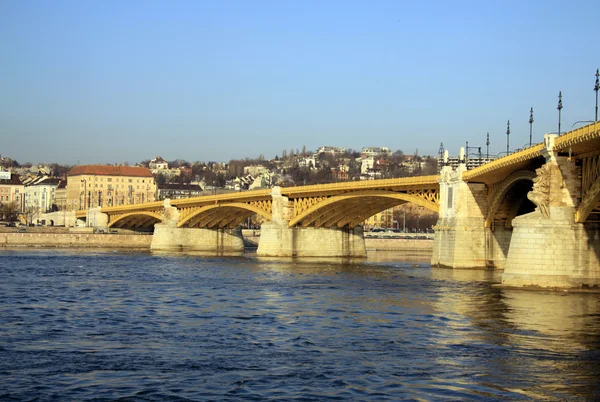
[
  {"x": 596, "y": 88},
  {"x": 487, "y": 147},
  {"x": 84, "y": 190},
  {"x": 530, "y": 125},
  {"x": 560, "y": 106},
  {"x": 507, "y": 137}
]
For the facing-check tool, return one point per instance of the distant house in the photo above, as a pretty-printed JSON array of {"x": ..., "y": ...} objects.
[
  {"x": 90, "y": 186},
  {"x": 370, "y": 152},
  {"x": 160, "y": 166},
  {"x": 158, "y": 163},
  {"x": 309, "y": 162},
  {"x": 254, "y": 170},
  {"x": 326, "y": 149},
  {"x": 176, "y": 191},
  {"x": 12, "y": 190}
]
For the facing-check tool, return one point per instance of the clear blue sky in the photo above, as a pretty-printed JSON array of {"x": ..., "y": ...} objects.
[{"x": 115, "y": 81}]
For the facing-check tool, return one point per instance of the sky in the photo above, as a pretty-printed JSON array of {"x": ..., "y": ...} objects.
[{"x": 124, "y": 81}]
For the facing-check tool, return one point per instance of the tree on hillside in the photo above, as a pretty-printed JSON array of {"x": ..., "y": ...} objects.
[{"x": 160, "y": 179}]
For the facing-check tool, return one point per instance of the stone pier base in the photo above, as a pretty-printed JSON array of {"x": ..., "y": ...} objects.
[
  {"x": 279, "y": 240},
  {"x": 459, "y": 243},
  {"x": 551, "y": 253},
  {"x": 210, "y": 241}
]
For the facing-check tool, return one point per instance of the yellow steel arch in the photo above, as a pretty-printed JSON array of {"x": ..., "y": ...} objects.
[
  {"x": 238, "y": 205},
  {"x": 366, "y": 194},
  {"x": 139, "y": 213},
  {"x": 502, "y": 190}
]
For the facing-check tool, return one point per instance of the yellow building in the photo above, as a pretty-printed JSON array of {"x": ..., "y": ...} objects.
[
  {"x": 91, "y": 186},
  {"x": 383, "y": 220}
]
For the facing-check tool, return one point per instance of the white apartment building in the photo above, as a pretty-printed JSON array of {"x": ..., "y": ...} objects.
[{"x": 40, "y": 194}]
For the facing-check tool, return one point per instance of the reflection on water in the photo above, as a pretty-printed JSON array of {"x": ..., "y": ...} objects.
[{"x": 81, "y": 325}]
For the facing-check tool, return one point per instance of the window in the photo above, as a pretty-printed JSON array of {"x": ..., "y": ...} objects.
[{"x": 109, "y": 179}]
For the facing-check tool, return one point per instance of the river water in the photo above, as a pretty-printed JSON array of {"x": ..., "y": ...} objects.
[{"x": 83, "y": 325}]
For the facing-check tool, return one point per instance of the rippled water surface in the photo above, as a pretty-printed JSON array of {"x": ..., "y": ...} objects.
[{"x": 99, "y": 325}]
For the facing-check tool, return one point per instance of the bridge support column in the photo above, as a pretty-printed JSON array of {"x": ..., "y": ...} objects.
[
  {"x": 96, "y": 219},
  {"x": 168, "y": 237},
  {"x": 548, "y": 249},
  {"x": 277, "y": 239},
  {"x": 460, "y": 236},
  {"x": 208, "y": 241}
]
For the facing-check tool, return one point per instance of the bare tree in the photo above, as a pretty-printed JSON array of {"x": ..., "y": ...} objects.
[
  {"x": 31, "y": 214},
  {"x": 9, "y": 211}
]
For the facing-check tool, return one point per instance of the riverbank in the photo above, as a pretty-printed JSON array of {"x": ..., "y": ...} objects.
[
  {"x": 75, "y": 240},
  {"x": 37, "y": 238}
]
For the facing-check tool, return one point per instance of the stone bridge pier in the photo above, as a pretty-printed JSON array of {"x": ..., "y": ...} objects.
[
  {"x": 278, "y": 239},
  {"x": 460, "y": 235},
  {"x": 549, "y": 248},
  {"x": 533, "y": 223},
  {"x": 169, "y": 237}
]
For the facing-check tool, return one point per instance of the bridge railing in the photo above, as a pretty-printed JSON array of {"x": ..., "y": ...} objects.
[{"x": 579, "y": 135}]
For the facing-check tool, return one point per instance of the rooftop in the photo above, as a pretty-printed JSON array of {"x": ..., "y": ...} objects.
[
  {"x": 14, "y": 180},
  {"x": 106, "y": 170}
]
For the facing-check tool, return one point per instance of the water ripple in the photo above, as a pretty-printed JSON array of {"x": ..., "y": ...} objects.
[{"x": 134, "y": 326}]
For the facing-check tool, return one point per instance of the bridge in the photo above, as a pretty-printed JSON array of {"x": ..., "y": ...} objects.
[{"x": 534, "y": 213}]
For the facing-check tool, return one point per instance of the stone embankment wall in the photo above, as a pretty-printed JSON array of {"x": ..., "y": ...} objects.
[
  {"x": 79, "y": 240},
  {"x": 61, "y": 237},
  {"x": 420, "y": 245}
]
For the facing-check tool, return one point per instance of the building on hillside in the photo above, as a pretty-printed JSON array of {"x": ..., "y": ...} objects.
[
  {"x": 326, "y": 149},
  {"x": 340, "y": 173},
  {"x": 371, "y": 152},
  {"x": 159, "y": 166},
  {"x": 176, "y": 191},
  {"x": 309, "y": 163},
  {"x": 91, "y": 186},
  {"x": 263, "y": 180},
  {"x": 366, "y": 164},
  {"x": 12, "y": 190},
  {"x": 40, "y": 194},
  {"x": 158, "y": 163},
  {"x": 414, "y": 166},
  {"x": 254, "y": 170}
]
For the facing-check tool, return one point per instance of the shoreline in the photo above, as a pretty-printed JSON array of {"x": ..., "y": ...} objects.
[{"x": 62, "y": 239}]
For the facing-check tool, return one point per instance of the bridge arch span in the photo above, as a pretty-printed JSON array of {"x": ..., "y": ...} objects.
[
  {"x": 509, "y": 198},
  {"x": 136, "y": 219},
  {"x": 222, "y": 215},
  {"x": 353, "y": 208}
]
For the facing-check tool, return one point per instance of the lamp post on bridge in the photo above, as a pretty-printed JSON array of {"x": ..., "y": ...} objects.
[
  {"x": 530, "y": 125},
  {"x": 507, "y": 137},
  {"x": 487, "y": 147},
  {"x": 596, "y": 88},
  {"x": 84, "y": 194},
  {"x": 560, "y": 106},
  {"x": 467, "y": 153}
]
